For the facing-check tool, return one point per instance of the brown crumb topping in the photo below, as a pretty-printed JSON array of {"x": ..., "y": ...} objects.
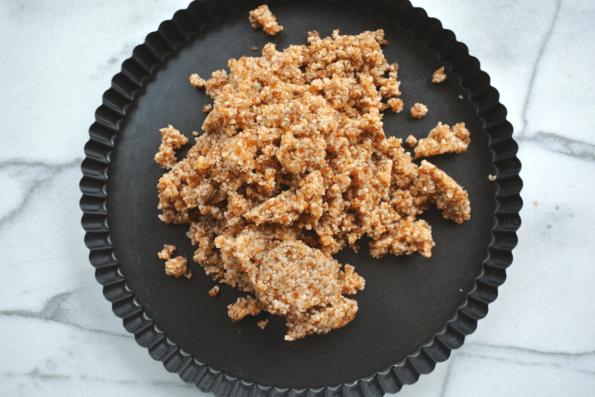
[
  {"x": 292, "y": 167},
  {"x": 214, "y": 291},
  {"x": 207, "y": 108},
  {"x": 254, "y": 48},
  {"x": 444, "y": 139},
  {"x": 262, "y": 323},
  {"x": 170, "y": 139},
  {"x": 419, "y": 110},
  {"x": 491, "y": 177},
  {"x": 439, "y": 76},
  {"x": 411, "y": 140},
  {"x": 262, "y": 16}
]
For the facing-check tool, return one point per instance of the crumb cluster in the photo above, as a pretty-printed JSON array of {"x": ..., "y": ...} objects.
[
  {"x": 293, "y": 166},
  {"x": 262, "y": 323},
  {"x": 214, "y": 291},
  {"x": 439, "y": 76},
  {"x": 444, "y": 139},
  {"x": 170, "y": 139},
  {"x": 177, "y": 266},
  {"x": 419, "y": 110},
  {"x": 263, "y": 17}
]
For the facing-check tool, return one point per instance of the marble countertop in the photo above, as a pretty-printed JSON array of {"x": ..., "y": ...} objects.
[{"x": 58, "y": 335}]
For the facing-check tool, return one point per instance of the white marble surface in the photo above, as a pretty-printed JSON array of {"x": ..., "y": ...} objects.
[{"x": 58, "y": 335}]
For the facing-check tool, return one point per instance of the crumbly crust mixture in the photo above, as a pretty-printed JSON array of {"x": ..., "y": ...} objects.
[
  {"x": 439, "y": 76},
  {"x": 262, "y": 323},
  {"x": 263, "y": 17},
  {"x": 214, "y": 291},
  {"x": 293, "y": 166},
  {"x": 419, "y": 110},
  {"x": 170, "y": 139},
  {"x": 444, "y": 139}
]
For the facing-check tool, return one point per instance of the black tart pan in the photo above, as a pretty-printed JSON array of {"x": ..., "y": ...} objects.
[{"x": 413, "y": 311}]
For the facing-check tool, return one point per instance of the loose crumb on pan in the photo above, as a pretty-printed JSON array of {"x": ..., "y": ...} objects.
[
  {"x": 443, "y": 139},
  {"x": 535, "y": 205},
  {"x": 244, "y": 307},
  {"x": 194, "y": 133},
  {"x": 207, "y": 108},
  {"x": 253, "y": 48},
  {"x": 396, "y": 104},
  {"x": 197, "y": 81},
  {"x": 419, "y": 110},
  {"x": 166, "y": 251},
  {"x": 491, "y": 177},
  {"x": 262, "y": 16},
  {"x": 439, "y": 76},
  {"x": 460, "y": 97},
  {"x": 293, "y": 166},
  {"x": 176, "y": 267},
  {"x": 170, "y": 139},
  {"x": 411, "y": 140},
  {"x": 214, "y": 291},
  {"x": 262, "y": 323}
]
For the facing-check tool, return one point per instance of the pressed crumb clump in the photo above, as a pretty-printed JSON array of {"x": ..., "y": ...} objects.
[
  {"x": 439, "y": 76},
  {"x": 176, "y": 266},
  {"x": 214, "y": 291},
  {"x": 262, "y": 16},
  {"x": 419, "y": 110},
  {"x": 396, "y": 104},
  {"x": 444, "y": 139},
  {"x": 293, "y": 166},
  {"x": 170, "y": 139},
  {"x": 411, "y": 140},
  {"x": 262, "y": 323}
]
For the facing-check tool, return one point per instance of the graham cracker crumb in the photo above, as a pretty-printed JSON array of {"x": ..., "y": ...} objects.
[
  {"x": 188, "y": 274},
  {"x": 411, "y": 140},
  {"x": 196, "y": 81},
  {"x": 207, "y": 108},
  {"x": 170, "y": 139},
  {"x": 254, "y": 48},
  {"x": 262, "y": 323},
  {"x": 535, "y": 204},
  {"x": 439, "y": 76},
  {"x": 460, "y": 97},
  {"x": 176, "y": 267},
  {"x": 214, "y": 291},
  {"x": 419, "y": 110},
  {"x": 244, "y": 307},
  {"x": 262, "y": 16},
  {"x": 491, "y": 177},
  {"x": 166, "y": 252},
  {"x": 396, "y": 104},
  {"x": 194, "y": 133},
  {"x": 444, "y": 139}
]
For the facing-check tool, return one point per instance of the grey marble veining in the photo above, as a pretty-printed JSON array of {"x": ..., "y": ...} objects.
[{"x": 59, "y": 336}]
